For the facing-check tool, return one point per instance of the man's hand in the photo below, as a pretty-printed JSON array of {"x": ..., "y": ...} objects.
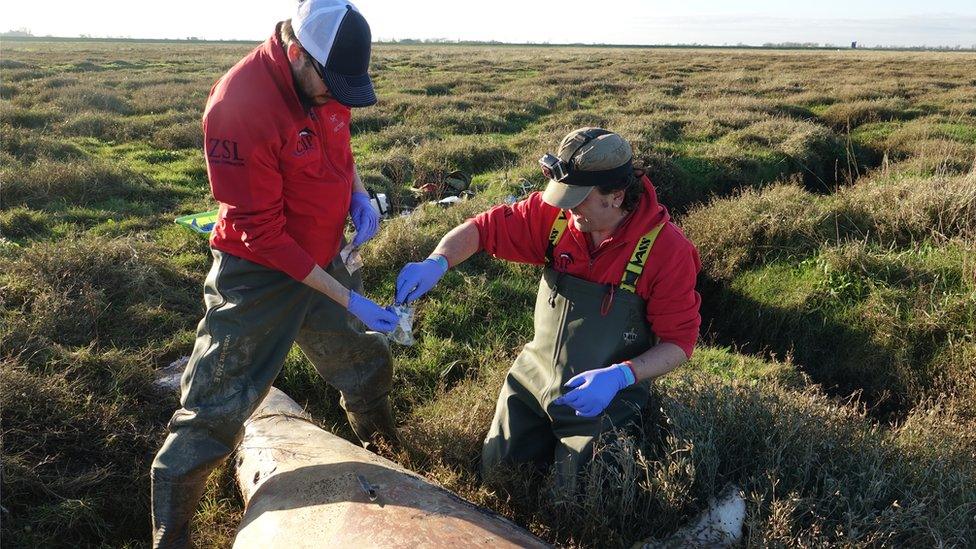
[
  {"x": 373, "y": 316},
  {"x": 416, "y": 279},
  {"x": 594, "y": 390},
  {"x": 364, "y": 218}
]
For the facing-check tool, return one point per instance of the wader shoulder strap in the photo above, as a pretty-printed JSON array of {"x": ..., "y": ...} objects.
[
  {"x": 637, "y": 260},
  {"x": 558, "y": 227}
]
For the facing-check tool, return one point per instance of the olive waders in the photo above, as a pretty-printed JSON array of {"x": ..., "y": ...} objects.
[
  {"x": 579, "y": 326},
  {"x": 253, "y": 316}
]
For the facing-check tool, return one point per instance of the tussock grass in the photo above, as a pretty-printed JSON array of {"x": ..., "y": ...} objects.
[
  {"x": 812, "y": 150},
  {"x": 468, "y": 154},
  {"x": 188, "y": 135},
  {"x": 84, "y": 320},
  {"x": 95, "y": 291},
  {"x": 78, "y": 433},
  {"x": 169, "y": 94},
  {"x": 27, "y": 147},
  {"x": 8, "y": 91},
  {"x": 400, "y": 135},
  {"x": 75, "y": 182},
  {"x": 21, "y": 222},
  {"x": 757, "y": 226},
  {"x": 812, "y": 471},
  {"x": 170, "y": 130},
  {"x": 27, "y": 117},
  {"x": 93, "y": 124},
  {"x": 12, "y": 64},
  {"x": 56, "y": 82},
  {"x": 868, "y": 287},
  {"x": 82, "y": 97},
  {"x": 809, "y": 466},
  {"x": 855, "y": 113}
]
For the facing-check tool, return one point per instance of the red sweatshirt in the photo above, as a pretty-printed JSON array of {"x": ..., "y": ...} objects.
[
  {"x": 282, "y": 174},
  {"x": 520, "y": 232}
]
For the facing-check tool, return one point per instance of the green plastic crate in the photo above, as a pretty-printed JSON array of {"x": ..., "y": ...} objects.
[{"x": 200, "y": 222}]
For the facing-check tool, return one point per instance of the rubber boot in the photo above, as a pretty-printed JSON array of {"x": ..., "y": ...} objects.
[
  {"x": 375, "y": 426},
  {"x": 173, "y": 505}
]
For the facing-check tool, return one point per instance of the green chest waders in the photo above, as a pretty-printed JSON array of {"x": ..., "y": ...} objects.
[
  {"x": 579, "y": 326},
  {"x": 254, "y": 314}
]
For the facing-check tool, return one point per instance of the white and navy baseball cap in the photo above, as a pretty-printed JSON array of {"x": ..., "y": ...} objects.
[{"x": 337, "y": 36}]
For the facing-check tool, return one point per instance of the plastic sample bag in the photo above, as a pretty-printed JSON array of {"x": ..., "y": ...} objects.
[
  {"x": 403, "y": 333},
  {"x": 351, "y": 258}
]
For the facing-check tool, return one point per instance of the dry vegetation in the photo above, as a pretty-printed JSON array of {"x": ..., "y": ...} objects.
[{"x": 832, "y": 196}]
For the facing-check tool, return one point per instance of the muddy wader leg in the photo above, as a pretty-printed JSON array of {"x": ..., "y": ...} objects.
[
  {"x": 253, "y": 314},
  {"x": 520, "y": 431},
  {"x": 578, "y": 437},
  {"x": 353, "y": 360}
]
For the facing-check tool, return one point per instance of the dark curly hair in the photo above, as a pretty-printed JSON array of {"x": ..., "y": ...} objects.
[{"x": 630, "y": 184}]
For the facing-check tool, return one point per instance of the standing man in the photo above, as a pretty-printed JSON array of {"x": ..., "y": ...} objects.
[
  {"x": 616, "y": 307},
  {"x": 280, "y": 164}
]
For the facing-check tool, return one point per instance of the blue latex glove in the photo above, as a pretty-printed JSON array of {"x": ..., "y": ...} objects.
[
  {"x": 364, "y": 218},
  {"x": 593, "y": 390},
  {"x": 373, "y": 316},
  {"x": 416, "y": 279}
]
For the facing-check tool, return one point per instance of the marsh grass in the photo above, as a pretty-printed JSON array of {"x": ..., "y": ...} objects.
[
  {"x": 831, "y": 195},
  {"x": 78, "y": 431},
  {"x": 75, "y": 182},
  {"x": 813, "y": 471},
  {"x": 868, "y": 287}
]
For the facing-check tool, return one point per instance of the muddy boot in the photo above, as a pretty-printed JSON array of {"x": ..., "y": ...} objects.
[
  {"x": 173, "y": 505},
  {"x": 375, "y": 427}
]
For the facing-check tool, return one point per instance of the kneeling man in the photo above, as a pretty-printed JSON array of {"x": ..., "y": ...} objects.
[{"x": 616, "y": 307}]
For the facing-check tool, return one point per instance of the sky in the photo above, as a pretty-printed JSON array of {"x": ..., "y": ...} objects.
[{"x": 715, "y": 22}]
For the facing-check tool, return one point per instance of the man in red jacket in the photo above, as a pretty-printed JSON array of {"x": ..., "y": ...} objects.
[
  {"x": 276, "y": 129},
  {"x": 616, "y": 307}
]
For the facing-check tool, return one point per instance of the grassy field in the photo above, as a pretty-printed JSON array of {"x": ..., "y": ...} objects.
[{"x": 832, "y": 196}]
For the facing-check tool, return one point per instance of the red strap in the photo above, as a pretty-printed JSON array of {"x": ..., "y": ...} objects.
[{"x": 607, "y": 301}]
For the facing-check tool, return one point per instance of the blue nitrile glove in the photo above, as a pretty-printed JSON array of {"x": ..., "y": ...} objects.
[
  {"x": 373, "y": 316},
  {"x": 364, "y": 218},
  {"x": 593, "y": 390},
  {"x": 416, "y": 279}
]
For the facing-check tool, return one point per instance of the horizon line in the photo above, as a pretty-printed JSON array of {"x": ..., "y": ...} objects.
[{"x": 449, "y": 42}]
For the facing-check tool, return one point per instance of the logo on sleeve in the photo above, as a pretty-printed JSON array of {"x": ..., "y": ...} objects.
[
  {"x": 223, "y": 151},
  {"x": 336, "y": 123},
  {"x": 306, "y": 140}
]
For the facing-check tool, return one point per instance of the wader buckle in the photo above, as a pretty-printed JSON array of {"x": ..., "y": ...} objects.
[{"x": 554, "y": 290}]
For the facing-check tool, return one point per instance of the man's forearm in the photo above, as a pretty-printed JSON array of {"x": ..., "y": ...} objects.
[
  {"x": 657, "y": 361},
  {"x": 328, "y": 285},
  {"x": 357, "y": 183},
  {"x": 459, "y": 244}
]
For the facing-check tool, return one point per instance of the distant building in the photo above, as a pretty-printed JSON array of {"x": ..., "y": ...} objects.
[
  {"x": 854, "y": 45},
  {"x": 17, "y": 32}
]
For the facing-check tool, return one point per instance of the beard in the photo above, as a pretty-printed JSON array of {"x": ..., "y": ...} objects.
[
  {"x": 307, "y": 96},
  {"x": 308, "y": 86}
]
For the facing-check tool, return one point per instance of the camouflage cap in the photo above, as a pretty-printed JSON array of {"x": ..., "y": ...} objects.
[{"x": 595, "y": 156}]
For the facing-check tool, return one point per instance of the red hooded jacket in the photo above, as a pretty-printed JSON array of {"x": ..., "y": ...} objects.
[
  {"x": 282, "y": 174},
  {"x": 520, "y": 232}
]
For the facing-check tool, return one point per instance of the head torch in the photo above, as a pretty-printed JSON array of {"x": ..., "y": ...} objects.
[{"x": 554, "y": 168}]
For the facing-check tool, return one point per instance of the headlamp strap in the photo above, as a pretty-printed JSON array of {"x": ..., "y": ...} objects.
[
  {"x": 600, "y": 177},
  {"x": 584, "y": 138}
]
